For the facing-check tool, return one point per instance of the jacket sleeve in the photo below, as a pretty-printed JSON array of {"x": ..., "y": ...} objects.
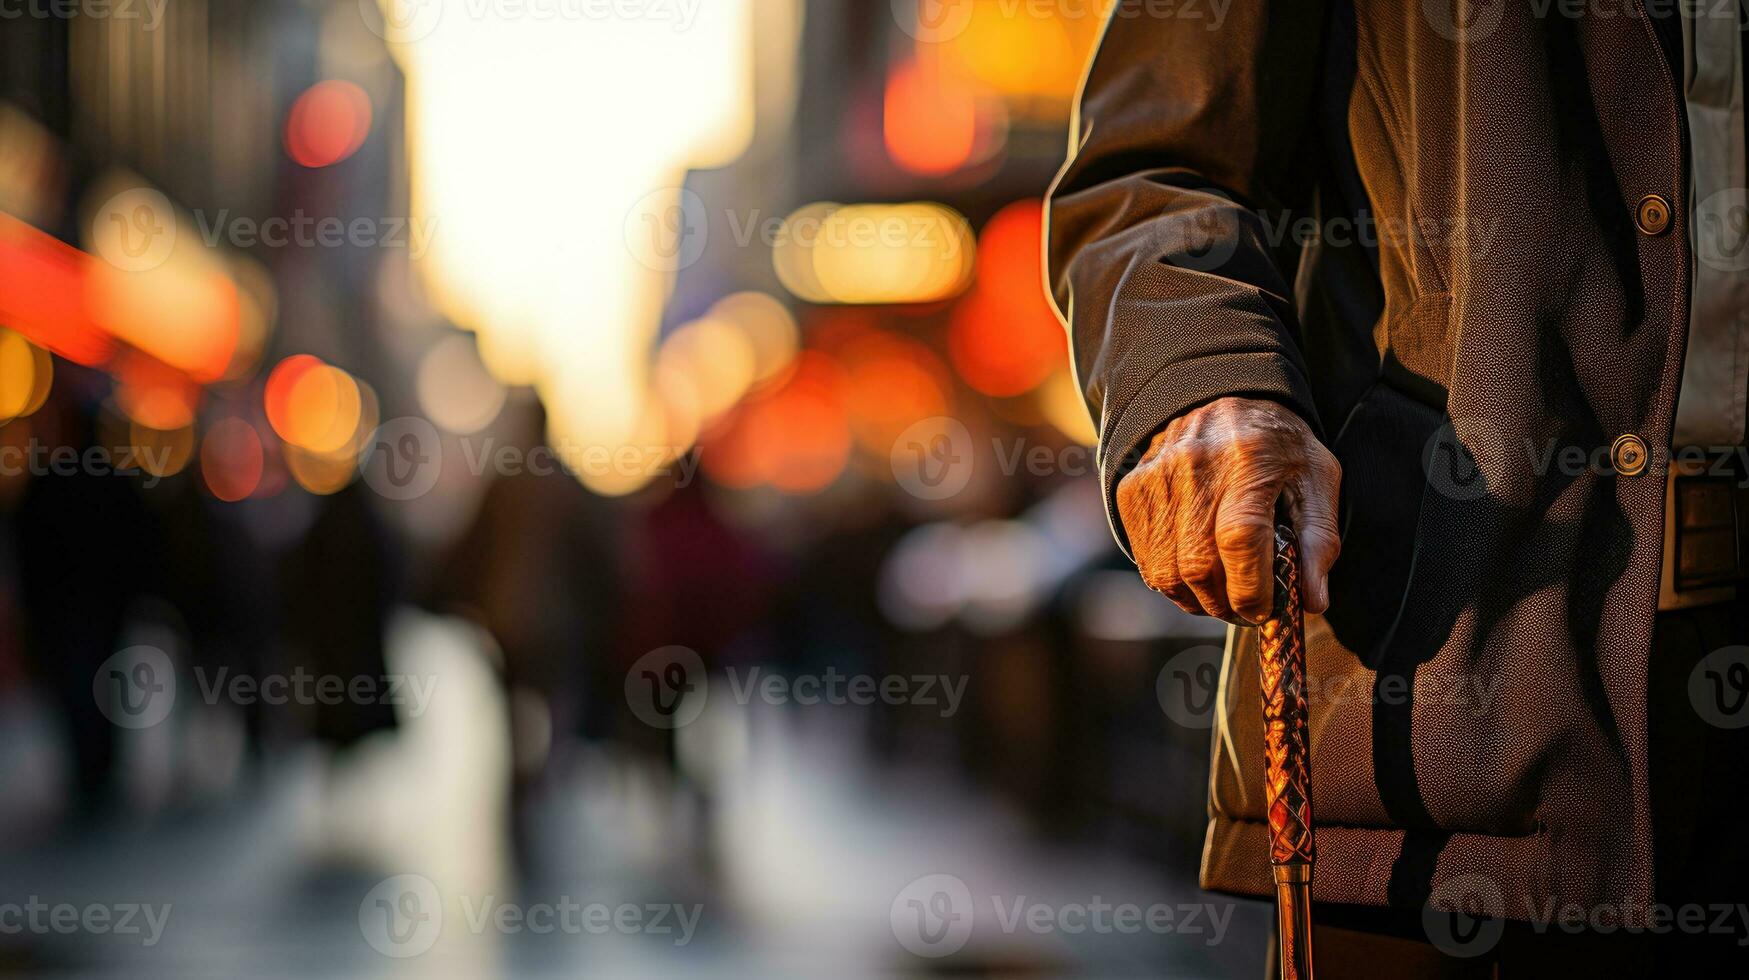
[{"x": 1169, "y": 243}]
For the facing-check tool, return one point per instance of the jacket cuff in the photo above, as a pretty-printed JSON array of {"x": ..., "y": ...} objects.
[{"x": 1177, "y": 388}]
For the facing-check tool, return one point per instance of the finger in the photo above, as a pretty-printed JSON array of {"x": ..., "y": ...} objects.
[
  {"x": 1199, "y": 561},
  {"x": 1166, "y": 581},
  {"x": 1315, "y": 524},
  {"x": 1245, "y": 537}
]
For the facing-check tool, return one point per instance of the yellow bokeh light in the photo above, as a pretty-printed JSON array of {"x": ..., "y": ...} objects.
[
  {"x": 875, "y": 253},
  {"x": 161, "y": 452},
  {"x": 26, "y": 374},
  {"x": 716, "y": 360},
  {"x": 768, "y": 326}
]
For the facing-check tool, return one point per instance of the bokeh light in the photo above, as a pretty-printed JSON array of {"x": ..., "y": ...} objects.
[
  {"x": 26, "y": 374},
  {"x": 930, "y": 118},
  {"x": 313, "y": 405},
  {"x": 1005, "y": 338},
  {"x": 875, "y": 253},
  {"x": 232, "y": 459},
  {"x": 456, "y": 392},
  {"x": 327, "y": 123}
]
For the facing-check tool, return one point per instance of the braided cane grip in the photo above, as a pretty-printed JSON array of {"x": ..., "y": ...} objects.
[
  {"x": 1288, "y": 760},
  {"x": 1286, "y": 746}
]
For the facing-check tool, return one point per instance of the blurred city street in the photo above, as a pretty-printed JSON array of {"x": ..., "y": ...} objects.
[
  {"x": 815, "y": 843},
  {"x": 563, "y": 488}
]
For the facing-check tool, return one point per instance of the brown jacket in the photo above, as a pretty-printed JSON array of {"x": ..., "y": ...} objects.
[{"x": 1475, "y": 321}]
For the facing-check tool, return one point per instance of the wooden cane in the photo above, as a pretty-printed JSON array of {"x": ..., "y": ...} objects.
[{"x": 1288, "y": 760}]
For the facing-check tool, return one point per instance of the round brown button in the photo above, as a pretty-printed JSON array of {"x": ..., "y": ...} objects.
[
  {"x": 1653, "y": 214},
  {"x": 1629, "y": 455}
]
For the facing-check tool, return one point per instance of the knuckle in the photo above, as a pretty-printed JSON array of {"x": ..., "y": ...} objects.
[
  {"x": 1241, "y": 533},
  {"x": 1196, "y": 564}
]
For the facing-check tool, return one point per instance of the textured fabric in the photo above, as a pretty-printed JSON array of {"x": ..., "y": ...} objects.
[
  {"x": 1715, "y": 374},
  {"x": 1478, "y": 296}
]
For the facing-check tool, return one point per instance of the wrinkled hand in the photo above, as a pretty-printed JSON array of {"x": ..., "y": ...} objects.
[{"x": 1199, "y": 508}]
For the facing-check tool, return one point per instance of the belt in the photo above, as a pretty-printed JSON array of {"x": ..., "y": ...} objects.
[{"x": 1706, "y": 535}]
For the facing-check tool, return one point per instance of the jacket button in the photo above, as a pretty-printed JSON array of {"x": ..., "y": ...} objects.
[
  {"x": 1653, "y": 214},
  {"x": 1629, "y": 455}
]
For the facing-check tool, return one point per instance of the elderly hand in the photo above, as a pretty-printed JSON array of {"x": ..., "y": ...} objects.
[{"x": 1200, "y": 508}]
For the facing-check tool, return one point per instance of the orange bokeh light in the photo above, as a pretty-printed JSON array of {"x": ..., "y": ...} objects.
[
  {"x": 312, "y": 405},
  {"x": 1004, "y": 337},
  {"x": 327, "y": 124},
  {"x": 930, "y": 119},
  {"x": 794, "y": 437}
]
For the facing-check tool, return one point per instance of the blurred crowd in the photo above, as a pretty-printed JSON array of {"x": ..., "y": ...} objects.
[{"x": 660, "y": 354}]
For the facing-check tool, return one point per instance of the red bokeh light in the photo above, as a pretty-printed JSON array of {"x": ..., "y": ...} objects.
[
  {"x": 1004, "y": 337},
  {"x": 327, "y": 124}
]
